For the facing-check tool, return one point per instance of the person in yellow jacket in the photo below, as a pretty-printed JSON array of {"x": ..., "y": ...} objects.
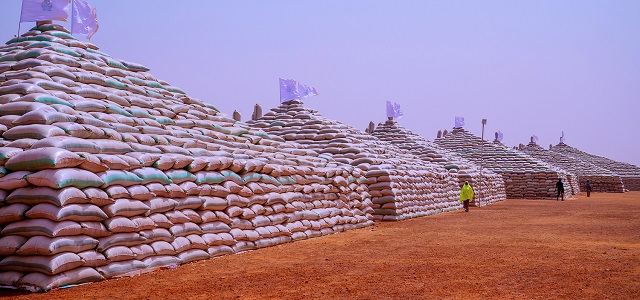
[{"x": 466, "y": 195}]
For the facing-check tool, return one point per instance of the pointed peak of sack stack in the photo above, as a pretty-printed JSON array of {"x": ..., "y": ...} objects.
[
  {"x": 630, "y": 173},
  {"x": 489, "y": 185},
  {"x": 528, "y": 176},
  {"x": 131, "y": 174},
  {"x": 607, "y": 180},
  {"x": 401, "y": 184}
]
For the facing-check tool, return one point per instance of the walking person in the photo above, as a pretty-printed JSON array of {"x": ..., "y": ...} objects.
[
  {"x": 466, "y": 195},
  {"x": 587, "y": 186},
  {"x": 560, "y": 189}
]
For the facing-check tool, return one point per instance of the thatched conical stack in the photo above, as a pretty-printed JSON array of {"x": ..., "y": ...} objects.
[
  {"x": 401, "y": 185},
  {"x": 106, "y": 171},
  {"x": 524, "y": 176},
  {"x": 629, "y": 173},
  {"x": 488, "y": 186},
  {"x": 602, "y": 180}
]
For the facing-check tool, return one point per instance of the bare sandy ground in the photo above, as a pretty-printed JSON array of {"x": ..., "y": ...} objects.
[{"x": 585, "y": 248}]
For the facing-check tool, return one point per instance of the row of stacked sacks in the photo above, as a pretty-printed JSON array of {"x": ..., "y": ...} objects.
[
  {"x": 570, "y": 181},
  {"x": 106, "y": 171},
  {"x": 488, "y": 186},
  {"x": 524, "y": 176},
  {"x": 57, "y": 222},
  {"x": 538, "y": 184},
  {"x": 398, "y": 194},
  {"x": 602, "y": 183},
  {"x": 630, "y": 174},
  {"x": 573, "y": 181},
  {"x": 631, "y": 182},
  {"x": 401, "y": 185},
  {"x": 601, "y": 180}
]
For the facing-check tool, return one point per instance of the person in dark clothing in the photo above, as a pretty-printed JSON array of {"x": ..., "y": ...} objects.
[
  {"x": 587, "y": 186},
  {"x": 560, "y": 189}
]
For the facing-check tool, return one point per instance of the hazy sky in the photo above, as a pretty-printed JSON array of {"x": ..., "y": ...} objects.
[{"x": 529, "y": 67}]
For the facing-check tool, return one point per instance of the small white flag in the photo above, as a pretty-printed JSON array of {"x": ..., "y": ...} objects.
[
  {"x": 288, "y": 90},
  {"x": 84, "y": 20},
  {"x": 390, "y": 112},
  {"x": 44, "y": 10},
  {"x": 562, "y": 138},
  {"x": 393, "y": 110},
  {"x": 459, "y": 122},
  {"x": 306, "y": 91},
  {"x": 398, "y": 112},
  {"x": 534, "y": 138},
  {"x": 500, "y": 136}
]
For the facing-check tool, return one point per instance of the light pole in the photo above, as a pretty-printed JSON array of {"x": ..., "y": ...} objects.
[{"x": 484, "y": 122}]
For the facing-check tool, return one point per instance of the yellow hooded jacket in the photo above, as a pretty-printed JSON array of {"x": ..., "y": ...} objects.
[{"x": 466, "y": 193}]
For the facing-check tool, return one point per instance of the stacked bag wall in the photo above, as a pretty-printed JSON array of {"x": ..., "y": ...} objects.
[
  {"x": 602, "y": 180},
  {"x": 630, "y": 174},
  {"x": 401, "y": 185},
  {"x": 106, "y": 171},
  {"x": 524, "y": 176},
  {"x": 488, "y": 186}
]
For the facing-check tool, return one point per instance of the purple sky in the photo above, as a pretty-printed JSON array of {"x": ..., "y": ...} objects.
[{"x": 529, "y": 67}]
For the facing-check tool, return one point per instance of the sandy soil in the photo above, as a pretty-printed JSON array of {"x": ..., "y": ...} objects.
[{"x": 585, "y": 248}]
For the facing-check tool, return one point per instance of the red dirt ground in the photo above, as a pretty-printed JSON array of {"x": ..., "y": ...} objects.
[{"x": 584, "y": 248}]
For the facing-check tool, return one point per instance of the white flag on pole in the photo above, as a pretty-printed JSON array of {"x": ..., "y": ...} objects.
[
  {"x": 84, "y": 20},
  {"x": 398, "y": 112},
  {"x": 562, "y": 138},
  {"x": 500, "y": 136},
  {"x": 44, "y": 10},
  {"x": 393, "y": 110},
  {"x": 534, "y": 138},
  {"x": 306, "y": 91},
  {"x": 288, "y": 90},
  {"x": 390, "y": 112},
  {"x": 459, "y": 122}
]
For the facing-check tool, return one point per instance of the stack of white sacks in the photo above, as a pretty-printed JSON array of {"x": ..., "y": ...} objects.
[
  {"x": 106, "y": 171},
  {"x": 488, "y": 186},
  {"x": 524, "y": 176},
  {"x": 630, "y": 174},
  {"x": 602, "y": 180},
  {"x": 401, "y": 184}
]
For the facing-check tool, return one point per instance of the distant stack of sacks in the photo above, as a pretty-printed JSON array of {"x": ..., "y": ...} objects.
[
  {"x": 570, "y": 181},
  {"x": 629, "y": 173},
  {"x": 106, "y": 171},
  {"x": 601, "y": 180},
  {"x": 488, "y": 186},
  {"x": 401, "y": 185},
  {"x": 524, "y": 176}
]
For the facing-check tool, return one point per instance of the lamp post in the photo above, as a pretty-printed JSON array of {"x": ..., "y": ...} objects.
[{"x": 484, "y": 122}]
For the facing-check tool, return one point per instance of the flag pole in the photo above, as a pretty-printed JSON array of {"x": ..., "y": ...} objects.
[
  {"x": 484, "y": 122},
  {"x": 71, "y": 18},
  {"x": 20, "y": 20}
]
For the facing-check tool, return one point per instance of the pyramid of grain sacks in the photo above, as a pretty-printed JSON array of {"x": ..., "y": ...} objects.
[
  {"x": 524, "y": 176},
  {"x": 106, "y": 171},
  {"x": 602, "y": 180},
  {"x": 488, "y": 186},
  {"x": 401, "y": 185},
  {"x": 571, "y": 178},
  {"x": 629, "y": 173}
]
